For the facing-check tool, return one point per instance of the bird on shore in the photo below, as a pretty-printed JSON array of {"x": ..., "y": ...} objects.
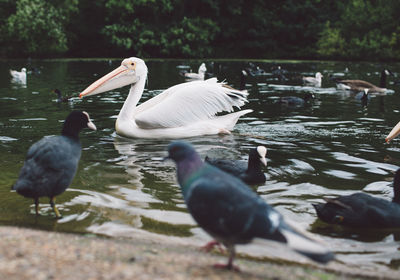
[
  {"x": 184, "y": 110},
  {"x": 360, "y": 85},
  {"x": 249, "y": 172},
  {"x": 61, "y": 98},
  {"x": 19, "y": 77},
  {"x": 362, "y": 210},
  {"x": 196, "y": 76},
  {"x": 230, "y": 211},
  {"x": 393, "y": 133},
  {"x": 51, "y": 162},
  {"x": 314, "y": 81}
]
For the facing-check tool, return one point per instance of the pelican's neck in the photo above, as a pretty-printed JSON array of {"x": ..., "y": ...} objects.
[{"x": 135, "y": 93}]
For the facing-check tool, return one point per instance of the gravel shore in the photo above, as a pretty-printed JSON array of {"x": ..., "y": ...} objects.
[{"x": 35, "y": 254}]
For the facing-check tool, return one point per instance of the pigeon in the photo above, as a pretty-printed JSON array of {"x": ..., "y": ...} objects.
[
  {"x": 228, "y": 210},
  {"x": 249, "y": 172},
  {"x": 362, "y": 210},
  {"x": 51, "y": 162}
]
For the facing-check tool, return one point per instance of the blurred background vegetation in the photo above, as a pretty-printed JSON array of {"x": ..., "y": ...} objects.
[{"x": 307, "y": 29}]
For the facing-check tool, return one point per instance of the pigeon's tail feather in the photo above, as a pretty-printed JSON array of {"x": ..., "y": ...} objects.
[{"x": 307, "y": 246}]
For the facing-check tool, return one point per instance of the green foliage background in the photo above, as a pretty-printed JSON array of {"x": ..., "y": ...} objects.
[{"x": 354, "y": 29}]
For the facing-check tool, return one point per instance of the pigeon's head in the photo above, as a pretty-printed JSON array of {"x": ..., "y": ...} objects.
[{"x": 180, "y": 150}]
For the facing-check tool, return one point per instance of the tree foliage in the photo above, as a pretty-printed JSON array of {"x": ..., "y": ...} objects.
[{"x": 354, "y": 29}]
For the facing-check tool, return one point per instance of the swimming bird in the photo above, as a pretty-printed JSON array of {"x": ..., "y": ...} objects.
[
  {"x": 197, "y": 76},
  {"x": 61, "y": 98},
  {"x": 393, "y": 133},
  {"x": 230, "y": 211},
  {"x": 363, "y": 96},
  {"x": 314, "y": 81},
  {"x": 362, "y": 210},
  {"x": 360, "y": 85},
  {"x": 184, "y": 110},
  {"x": 51, "y": 162},
  {"x": 249, "y": 172},
  {"x": 294, "y": 101},
  {"x": 19, "y": 77}
]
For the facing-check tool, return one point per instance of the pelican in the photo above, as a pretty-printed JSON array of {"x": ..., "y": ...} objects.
[
  {"x": 197, "y": 76},
  {"x": 360, "y": 85},
  {"x": 315, "y": 81},
  {"x": 184, "y": 110},
  {"x": 19, "y": 77},
  {"x": 395, "y": 131}
]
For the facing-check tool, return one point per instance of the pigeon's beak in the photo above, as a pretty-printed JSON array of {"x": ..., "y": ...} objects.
[{"x": 395, "y": 131}]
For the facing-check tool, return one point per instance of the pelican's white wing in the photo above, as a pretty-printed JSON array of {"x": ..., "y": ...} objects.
[{"x": 188, "y": 103}]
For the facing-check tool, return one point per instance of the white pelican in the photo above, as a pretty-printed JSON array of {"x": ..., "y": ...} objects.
[
  {"x": 184, "y": 110},
  {"x": 315, "y": 81},
  {"x": 197, "y": 76},
  {"x": 393, "y": 133},
  {"x": 19, "y": 77}
]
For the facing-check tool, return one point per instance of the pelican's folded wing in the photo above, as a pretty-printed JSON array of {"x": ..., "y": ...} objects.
[{"x": 187, "y": 103}]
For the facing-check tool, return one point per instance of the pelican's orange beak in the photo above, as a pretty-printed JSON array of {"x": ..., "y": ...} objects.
[
  {"x": 395, "y": 131},
  {"x": 105, "y": 83}
]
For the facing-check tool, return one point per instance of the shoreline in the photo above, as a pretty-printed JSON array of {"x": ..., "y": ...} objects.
[{"x": 53, "y": 255}]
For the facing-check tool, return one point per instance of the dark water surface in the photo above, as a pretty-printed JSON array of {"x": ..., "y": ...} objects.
[{"x": 334, "y": 146}]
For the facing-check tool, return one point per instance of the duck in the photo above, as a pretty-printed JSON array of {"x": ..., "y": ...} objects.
[
  {"x": 249, "y": 172},
  {"x": 51, "y": 162},
  {"x": 61, "y": 98},
  {"x": 197, "y": 76},
  {"x": 393, "y": 133},
  {"x": 294, "y": 101},
  {"x": 361, "y": 210},
  {"x": 314, "y": 81},
  {"x": 19, "y": 77},
  {"x": 360, "y": 85},
  {"x": 183, "y": 110},
  {"x": 363, "y": 97}
]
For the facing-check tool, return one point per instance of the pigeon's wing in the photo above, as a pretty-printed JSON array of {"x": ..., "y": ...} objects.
[{"x": 226, "y": 208}]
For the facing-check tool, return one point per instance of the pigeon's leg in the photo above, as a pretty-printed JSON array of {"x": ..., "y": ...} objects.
[
  {"x": 37, "y": 206},
  {"x": 53, "y": 205},
  {"x": 210, "y": 245},
  {"x": 229, "y": 265}
]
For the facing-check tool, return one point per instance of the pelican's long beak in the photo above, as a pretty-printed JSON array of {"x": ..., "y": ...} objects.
[
  {"x": 114, "y": 79},
  {"x": 395, "y": 131}
]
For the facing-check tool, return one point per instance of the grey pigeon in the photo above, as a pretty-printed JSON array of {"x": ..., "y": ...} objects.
[
  {"x": 230, "y": 211},
  {"x": 51, "y": 162}
]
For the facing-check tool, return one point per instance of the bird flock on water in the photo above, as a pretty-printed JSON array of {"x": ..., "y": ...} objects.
[{"x": 216, "y": 190}]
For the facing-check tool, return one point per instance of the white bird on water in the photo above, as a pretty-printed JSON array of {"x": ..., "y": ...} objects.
[
  {"x": 314, "y": 81},
  {"x": 184, "y": 110},
  {"x": 19, "y": 77},
  {"x": 197, "y": 76}
]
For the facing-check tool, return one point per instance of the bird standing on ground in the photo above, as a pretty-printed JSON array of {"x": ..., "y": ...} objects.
[
  {"x": 362, "y": 210},
  {"x": 51, "y": 162},
  {"x": 250, "y": 172},
  {"x": 230, "y": 211},
  {"x": 184, "y": 110}
]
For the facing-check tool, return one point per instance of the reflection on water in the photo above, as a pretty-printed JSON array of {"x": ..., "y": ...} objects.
[{"x": 331, "y": 146}]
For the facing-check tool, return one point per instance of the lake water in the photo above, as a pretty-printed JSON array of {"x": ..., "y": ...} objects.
[{"x": 334, "y": 146}]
